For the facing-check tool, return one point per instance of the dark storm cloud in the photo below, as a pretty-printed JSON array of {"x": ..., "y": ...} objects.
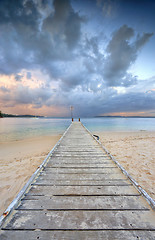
[
  {"x": 35, "y": 40},
  {"x": 25, "y": 95},
  {"x": 51, "y": 36},
  {"x": 127, "y": 102},
  {"x": 19, "y": 12},
  {"x": 51, "y": 40},
  {"x": 141, "y": 40},
  {"x": 64, "y": 24},
  {"x": 131, "y": 102},
  {"x": 122, "y": 53},
  {"x": 107, "y": 100}
]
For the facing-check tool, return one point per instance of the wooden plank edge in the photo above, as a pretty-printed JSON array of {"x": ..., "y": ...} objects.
[
  {"x": 137, "y": 186},
  {"x": 17, "y": 199}
]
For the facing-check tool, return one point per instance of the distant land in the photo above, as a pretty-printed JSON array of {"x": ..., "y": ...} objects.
[
  {"x": 5, "y": 115},
  {"x": 125, "y": 116}
]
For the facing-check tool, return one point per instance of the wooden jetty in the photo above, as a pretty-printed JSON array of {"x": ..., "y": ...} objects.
[{"x": 79, "y": 192}]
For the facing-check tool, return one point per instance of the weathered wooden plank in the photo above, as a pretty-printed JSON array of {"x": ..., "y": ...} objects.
[
  {"x": 85, "y": 145},
  {"x": 82, "y": 171},
  {"x": 83, "y": 202},
  {"x": 81, "y": 161},
  {"x": 74, "y": 154},
  {"x": 83, "y": 190},
  {"x": 80, "y": 151},
  {"x": 76, "y": 235},
  {"x": 84, "y": 165},
  {"x": 91, "y": 166},
  {"x": 72, "y": 176},
  {"x": 93, "y": 182},
  {"x": 81, "y": 220},
  {"x": 76, "y": 158}
]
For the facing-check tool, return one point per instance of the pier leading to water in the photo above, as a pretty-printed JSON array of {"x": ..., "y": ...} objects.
[{"x": 80, "y": 193}]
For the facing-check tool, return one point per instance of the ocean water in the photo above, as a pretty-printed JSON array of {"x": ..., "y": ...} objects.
[
  {"x": 12, "y": 129},
  {"x": 20, "y": 128},
  {"x": 119, "y": 124}
]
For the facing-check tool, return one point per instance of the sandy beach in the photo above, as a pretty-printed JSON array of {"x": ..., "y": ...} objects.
[
  {"x": 135, "y": 152},
  {"x": 19, "y": 159}
]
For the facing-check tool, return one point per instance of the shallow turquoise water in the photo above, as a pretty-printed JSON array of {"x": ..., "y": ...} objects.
[
  {"x": 21, "y": 128},
  {"x": 119, "y": 124}
]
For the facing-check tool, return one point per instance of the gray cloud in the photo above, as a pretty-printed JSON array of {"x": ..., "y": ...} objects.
[
  {"x": 51, "y": 36},
  {"x": 122, "y": 53},
  {"x": 25, "y": 95},
  {"x": 108, "y": 7},
  {"x": 86, "y": 102},
  {"x": 25, "y": 44},
  {"x": 18, "y": 77},
  {"x": 141, "y": 40},
  {"x": 4, "y": 89},
  {"x": 64, "y": 24},
  {"x": 29, "y": 75}
]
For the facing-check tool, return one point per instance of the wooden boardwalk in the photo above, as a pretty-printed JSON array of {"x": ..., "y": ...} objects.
[{"x": 80, "y": 194}]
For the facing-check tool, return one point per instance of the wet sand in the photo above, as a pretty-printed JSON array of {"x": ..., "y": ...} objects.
[
  {"x": 18, "y": 161},
  {"x": 135, "y": 152}
]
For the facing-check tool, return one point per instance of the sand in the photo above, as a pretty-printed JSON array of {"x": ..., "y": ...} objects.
[
  {"x": 135, "y": 152},
  {"x": 18, "y": 161}
]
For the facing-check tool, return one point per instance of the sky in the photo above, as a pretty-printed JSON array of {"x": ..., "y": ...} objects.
[{"x": 95, "y": 55}]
